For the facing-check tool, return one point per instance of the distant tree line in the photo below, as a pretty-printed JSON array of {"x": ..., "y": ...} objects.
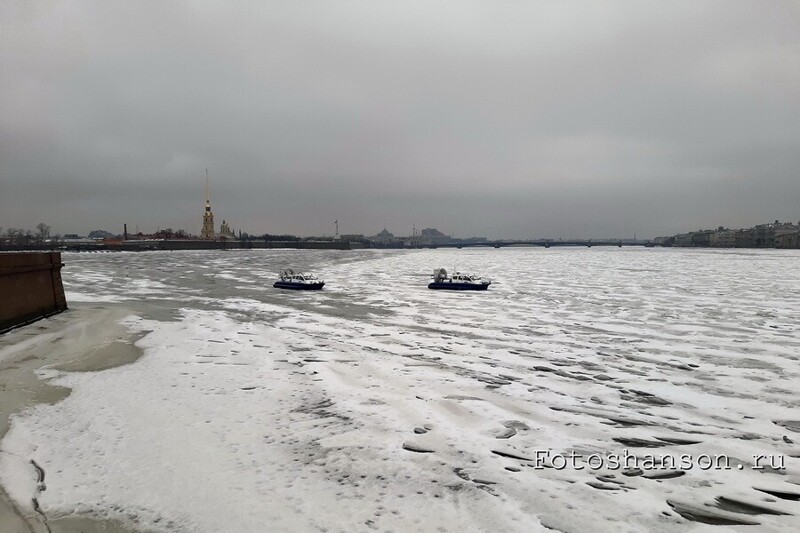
[
  {"x": 271, "y": 237},
  {"x": 25, "y": 236}
]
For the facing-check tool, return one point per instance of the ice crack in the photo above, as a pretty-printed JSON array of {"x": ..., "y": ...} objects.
[{"x": 40, "y": 487}]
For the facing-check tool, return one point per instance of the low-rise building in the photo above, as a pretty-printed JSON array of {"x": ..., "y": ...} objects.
[
  {"x": 787, "y": 235},
  {"x": 723, "y": 238},
  {"x": 701, "y": 239},
  {"x": 352, "y": 237},
  {"x": 744, "y": 238},
  {"x": 384, "y": 238},
  {"x": 787, "y": 240},
  {"x": 430, "y": 236},
  {"x": 774, "y": 235}
]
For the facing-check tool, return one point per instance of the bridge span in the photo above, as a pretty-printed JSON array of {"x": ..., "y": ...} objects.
[{"x": 544, "y": 243}]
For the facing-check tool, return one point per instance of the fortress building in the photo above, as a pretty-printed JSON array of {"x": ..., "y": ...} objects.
[
  {"x": 226, "y": 231},
  {"x": 207, "y": 232}
]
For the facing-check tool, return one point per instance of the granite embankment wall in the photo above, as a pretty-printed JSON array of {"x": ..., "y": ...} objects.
[{"x": 30, "y": 288}]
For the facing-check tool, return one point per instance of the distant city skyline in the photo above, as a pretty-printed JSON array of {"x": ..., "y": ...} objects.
[
  {"x": 61, "y": 227},
  {"x": 478, "y": 118},
  {"x": 723, "y": 233}
]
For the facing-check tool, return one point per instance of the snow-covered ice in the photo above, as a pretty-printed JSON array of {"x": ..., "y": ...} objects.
[{"x": 378, "y": 404}]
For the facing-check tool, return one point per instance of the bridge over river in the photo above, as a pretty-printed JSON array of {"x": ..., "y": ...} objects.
[{"x": 545, "y": 243}]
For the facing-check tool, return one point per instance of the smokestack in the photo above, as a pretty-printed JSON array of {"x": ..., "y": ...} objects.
[{"x": 125, "y": 232}]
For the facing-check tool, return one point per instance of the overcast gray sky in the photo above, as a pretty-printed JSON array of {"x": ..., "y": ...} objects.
[{"x": 497, "y": 118}]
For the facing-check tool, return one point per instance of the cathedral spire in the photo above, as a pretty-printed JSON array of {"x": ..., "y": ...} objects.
[
  {"x": 208, "y": 201},
  {"x": 207, "y": 232}
]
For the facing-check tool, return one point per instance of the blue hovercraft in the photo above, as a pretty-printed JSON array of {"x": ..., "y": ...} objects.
[
  {"x": 457, "y": 282},
  {"x": 298, "y": 281}
]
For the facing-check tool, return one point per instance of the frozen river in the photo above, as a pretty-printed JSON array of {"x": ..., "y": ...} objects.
[{"x": 379, "y": 404}]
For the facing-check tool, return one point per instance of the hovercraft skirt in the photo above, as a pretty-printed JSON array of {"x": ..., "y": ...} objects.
[
  {"x": 298, "y": 286},
  {"x": 458, "y": 286}
]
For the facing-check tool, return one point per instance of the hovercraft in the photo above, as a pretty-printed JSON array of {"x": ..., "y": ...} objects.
[
  {"x": 457, "y": 282},
  {"x": 298, "y": 281}
]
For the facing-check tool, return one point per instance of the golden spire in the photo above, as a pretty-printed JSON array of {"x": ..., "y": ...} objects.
[{"x": 208, "y": 202}]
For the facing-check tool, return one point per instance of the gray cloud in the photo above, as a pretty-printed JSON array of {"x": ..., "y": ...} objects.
[{"x": 503, "y": 119}]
